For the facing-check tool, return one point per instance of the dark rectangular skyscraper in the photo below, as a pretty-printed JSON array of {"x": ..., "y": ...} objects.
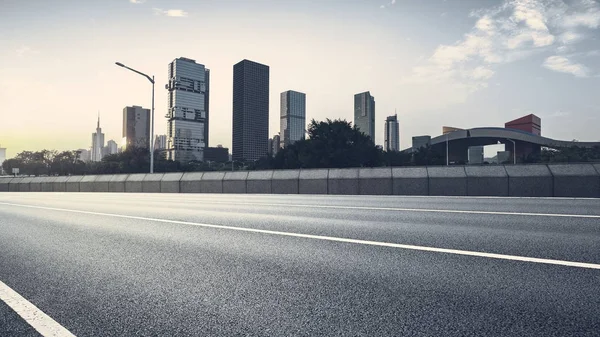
[
  {"x": 250, "y": 111},
  {"x": 292, "y": 117},
  {"x": 364, "y": 113}
]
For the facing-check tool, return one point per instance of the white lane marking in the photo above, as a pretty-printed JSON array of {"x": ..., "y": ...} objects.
[
  {"x": 333, "y": 239},
  {"x": 397, "y": 209},
  {"x": 41, "y": 322}
]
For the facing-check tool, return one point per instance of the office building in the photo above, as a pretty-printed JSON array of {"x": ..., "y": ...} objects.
[
  {"x": 364, "y": 113},
  {"x": 530, "y": 123},
  {"x": 136, "y": 126},
  {"x": 250, "y": 111},
  {"x": 392, "y": 134},
  {"x": 84, "y": 155},
  {"x": 2, "y": 158},
  {"x": 292, "y": 117},
  {"x": 188, "y": 98},
  {"x": 160, "y": 142},
  {"x": 217, "y": 154},
  {"x": 111, "y": 147},
  {"x": 475, "y": 155},
  {"x": 420, "y": 141},
  {"x": 97, "y": 143},
  {"x": 274, "y": 145}
]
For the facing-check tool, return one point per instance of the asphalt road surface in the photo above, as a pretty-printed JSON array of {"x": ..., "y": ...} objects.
[{"x": 251, "y": 265}]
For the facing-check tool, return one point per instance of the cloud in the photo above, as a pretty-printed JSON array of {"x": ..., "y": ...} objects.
[
  {"x": 137, "y": 1},
  {"x": 24, "y": 50},
  {"x": 511, "y": 31},
  {"x": 177, "y": 13},
  {"x": 564, "y": 65},
  {"x": 391, "y": 3}
]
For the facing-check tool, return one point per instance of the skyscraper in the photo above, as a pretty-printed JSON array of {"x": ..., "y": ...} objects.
[
  {"x": 136, "y": 126},
  {"x": 392, "y": 134},
  {"x": 160, "y": 142},
  {"x": 250, "y": 110},
  {"x": 187, "y": 131},
  {"x": 292, "y": 117},
  {"x": 364, "y": 113},
  {"x": 97, "y": 143},
  {"x": 2, "y": 158},
  {"x": 112, "y": 147}
]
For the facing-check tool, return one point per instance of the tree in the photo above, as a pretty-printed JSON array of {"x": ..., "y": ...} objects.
[{"x": 330, "y": 144}]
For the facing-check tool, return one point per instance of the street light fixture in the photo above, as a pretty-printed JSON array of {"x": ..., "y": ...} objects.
[{"x": 151, "y": 79}]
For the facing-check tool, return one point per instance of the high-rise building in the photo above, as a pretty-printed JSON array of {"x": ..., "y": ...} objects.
[
  {"x": 250, "y": 110},
  {"x": 84, "y": 155},
  {"x": 188, "y": 97},
  {"x": 292, "y": 117},
  {"x": 392, "y": 134},
  {"x": 475, "y": 155},
  {"x": 97, "y": 143},
  {"x": 136, "y": 126},
  {"x": 217, "y": 154},
  {"x": 364, "y": 113},
  {"x": 275, "y": 145},
  {"x": 111, "y": 147},
  {"x": 2, "y": 158},
  {"x": 420, "y": 141},
  {"x": 160, "y": 142}
]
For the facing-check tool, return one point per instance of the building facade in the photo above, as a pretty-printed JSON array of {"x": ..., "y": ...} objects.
[
  {"x": 160, "y": 142},
  {"x": 475, "y": 155},
  {"x": 188, "y": 98},
  {"x": 2, "y": 158},
  {"x": 364, "y": 113},
  {"x": 292, "y": 117},
  {"x": 250, "y": 111},
  {"x": 530, "y": 123},
  {"x": 420, "y": 141},
  {"x": 217, "y": 154},
  {"x": 392, "y": 134},
  {"x": 136, "y": 126},
  {"x": 97, "y": 143},
  {"x": 112, "y": 147}
]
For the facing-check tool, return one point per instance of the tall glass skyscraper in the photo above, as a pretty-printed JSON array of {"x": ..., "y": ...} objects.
[
  {"x": 364, "y": 113},
  {"x": 250, "y": 111},
  {"x": 97, "y": 142},
  {"x": 293, "y": 117},
  {"x": 187, "y": 114},
  {"x": 392, "y": 134}
]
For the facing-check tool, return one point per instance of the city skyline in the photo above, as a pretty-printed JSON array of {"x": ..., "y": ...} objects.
[{"x": 493, "y": 61}]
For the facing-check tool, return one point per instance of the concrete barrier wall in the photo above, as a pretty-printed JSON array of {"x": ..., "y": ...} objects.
[
  {"x": 575, "y": 180},
  {"x": 4, "y": 182},
  {"x": 559, "y": 180},
  {"x": 133, "y": 183},
  {"x": 487, "y": 181},
  {"x": 375, "y": 181},
  {"x": 410, "y": 181},
  {"x": 170, "y": 182},
  {"x": 235, "y": 182},
  {"x": 447, "y": 181},
  {"x": 313, "y": 181},
  {"x": 343, "y": 181},
  {"x": 259, "y": 182},
  {"x": 529, "y": 181},
  {"x": 212, "y": 182},
  {"x": 151, "y": 183},
  {"x": 285, "y": 182},
  {"x": 190, "y": 182}
]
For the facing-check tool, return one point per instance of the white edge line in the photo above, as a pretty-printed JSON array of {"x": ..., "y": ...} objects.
[
  {"x": 336, "y": 239},
  {"x": 41, "y": 322}
]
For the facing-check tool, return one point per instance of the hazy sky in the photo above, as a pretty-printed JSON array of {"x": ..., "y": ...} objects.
[{"x": 463, "y": 63}]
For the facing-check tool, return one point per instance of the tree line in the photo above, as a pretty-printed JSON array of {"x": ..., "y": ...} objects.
[{"x": 329, "y": 144}]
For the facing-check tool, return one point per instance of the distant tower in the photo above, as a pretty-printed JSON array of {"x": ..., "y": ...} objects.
[
  {"x": 136, "y": 126},
  {"x": 392, "y": 134},
  {"x": 97, "y": 142},
  {"x": 292, "y": 117},
  {"x": 250, "y": 111},
  {"x": 364, "y": 113}
]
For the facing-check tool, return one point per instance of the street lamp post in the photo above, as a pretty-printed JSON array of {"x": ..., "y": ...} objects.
[
  {"x": 514, "y": 151},
  {"x": 151, "y": 143}
]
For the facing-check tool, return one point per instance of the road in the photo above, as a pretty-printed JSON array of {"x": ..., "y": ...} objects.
[{"x": 277, "y": 265}]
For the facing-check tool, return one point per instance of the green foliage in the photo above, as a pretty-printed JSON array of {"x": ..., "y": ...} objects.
[{"x": 572, "y": 154}]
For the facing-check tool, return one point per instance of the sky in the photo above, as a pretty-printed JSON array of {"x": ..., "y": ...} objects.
[{"x": 462, "y": 63}]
